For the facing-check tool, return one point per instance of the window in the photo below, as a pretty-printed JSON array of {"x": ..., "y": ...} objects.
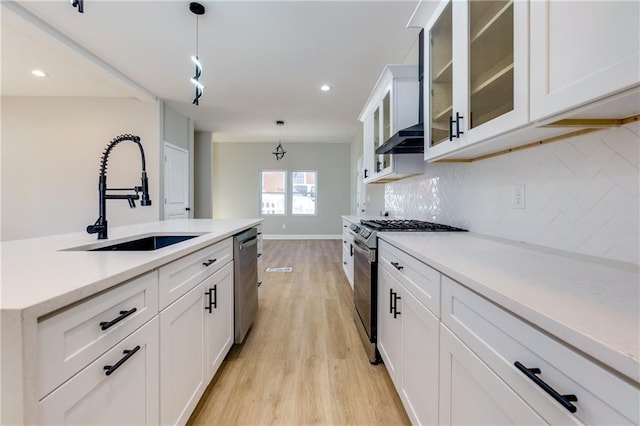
[
  {"x": 273, "y": 191},
  {"x": 273, "y": 195},
  {"x": 303, "y": 193}
]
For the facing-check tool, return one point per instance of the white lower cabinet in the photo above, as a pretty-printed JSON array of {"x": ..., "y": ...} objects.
[
  {"x": 408, "y": 345},
  {"x": 196, "y": 332},
  {"x": 471, "y": 393},
  {"x": 120, "y": 387},
  {"x": 218, "y": 318},
  {"x": 182, "y": 365}
]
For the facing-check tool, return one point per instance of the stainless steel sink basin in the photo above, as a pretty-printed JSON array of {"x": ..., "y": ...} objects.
[{"x": 140, "y": 243}]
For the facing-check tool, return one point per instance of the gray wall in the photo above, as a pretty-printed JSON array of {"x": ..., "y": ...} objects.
[
  {"x": 236, "y": 183},
  {"x": 177, "y": 130},
  {"x": 203, "y": 175}
]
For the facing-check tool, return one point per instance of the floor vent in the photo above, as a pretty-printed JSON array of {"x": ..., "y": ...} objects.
[{"x": 285, "y": 269}]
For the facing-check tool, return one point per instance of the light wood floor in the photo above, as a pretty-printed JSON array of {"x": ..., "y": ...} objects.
[{"x": 302, "y": 363}]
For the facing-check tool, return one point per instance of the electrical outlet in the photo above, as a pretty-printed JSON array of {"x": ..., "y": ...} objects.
[{"x": 518, "y": 196}]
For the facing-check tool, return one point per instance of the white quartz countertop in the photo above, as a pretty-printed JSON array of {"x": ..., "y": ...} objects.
[
  {"x": 41, "y": 275},
  {"x": 589, "y": 303}
]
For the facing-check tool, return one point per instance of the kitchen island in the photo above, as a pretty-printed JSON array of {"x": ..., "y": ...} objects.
[{"x": 45, "y": 277}]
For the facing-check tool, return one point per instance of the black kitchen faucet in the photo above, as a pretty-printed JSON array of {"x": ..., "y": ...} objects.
[{"x": 100, "y": 227}]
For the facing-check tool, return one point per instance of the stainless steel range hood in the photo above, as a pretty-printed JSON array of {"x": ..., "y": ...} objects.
[{"x": 406, "y": 141}]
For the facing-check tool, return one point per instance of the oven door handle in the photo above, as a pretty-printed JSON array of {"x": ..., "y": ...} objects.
[{"x": 366, "y": 251}]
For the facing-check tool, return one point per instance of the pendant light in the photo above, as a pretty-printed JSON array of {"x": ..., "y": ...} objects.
[
  {"x": 279, "y": 152},
  {"x": 198, "y": 10}
]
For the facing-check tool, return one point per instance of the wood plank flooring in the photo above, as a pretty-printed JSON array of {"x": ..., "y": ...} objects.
[{"x": 302, "y": 363}]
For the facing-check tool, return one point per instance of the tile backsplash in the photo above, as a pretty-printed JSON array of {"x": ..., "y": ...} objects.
[{"x": 581, "y": 194}]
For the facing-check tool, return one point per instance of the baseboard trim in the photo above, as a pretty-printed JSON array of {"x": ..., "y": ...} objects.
[{"x": 301, "y": 237}]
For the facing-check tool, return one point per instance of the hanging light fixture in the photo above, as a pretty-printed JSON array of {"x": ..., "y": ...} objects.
[
  {"x": 279, "y": 152},
  {"x": 198, "y": 10}
]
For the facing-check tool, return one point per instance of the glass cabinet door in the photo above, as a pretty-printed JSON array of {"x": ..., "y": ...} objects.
[
  {"x": 441, "y": 77},
  {"x": 491, "y": 30},
  {"x": 386, "y": 128},
  {"x": 376, "y": 139}
]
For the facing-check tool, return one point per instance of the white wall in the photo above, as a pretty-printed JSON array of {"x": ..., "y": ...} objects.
[
  {"x": 51, "y": 151},
  {"x": 581, "y": 195},
  {"x": 203, "y": 175},
  {"x": 236, "y": 188}
]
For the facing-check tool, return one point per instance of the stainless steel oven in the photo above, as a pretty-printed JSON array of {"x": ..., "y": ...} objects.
[
  {"x": 365, "y": 289},
  {"x": 365, "y": 272}
]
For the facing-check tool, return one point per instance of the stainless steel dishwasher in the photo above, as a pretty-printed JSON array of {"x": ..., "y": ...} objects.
[{"x": 245, "y": 285}]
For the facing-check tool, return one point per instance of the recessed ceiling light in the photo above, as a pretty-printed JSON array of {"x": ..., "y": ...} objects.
[
  {"x": 39, "y": 73},
  {"x": 325, "y": 87}
]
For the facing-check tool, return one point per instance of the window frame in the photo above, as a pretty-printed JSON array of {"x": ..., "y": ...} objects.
[
  {"x": 315, "y": 201},
  {"x": 285, "y": 191}
]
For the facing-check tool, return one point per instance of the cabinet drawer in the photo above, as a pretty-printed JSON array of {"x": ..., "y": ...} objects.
[
  {"x": 69, "y": 340},
  {"x": 418, "y": 278},
  {"x": 500, "y": 339},
  {"x": 128, "y": 395},
  {"x": 182, "y": 275}
]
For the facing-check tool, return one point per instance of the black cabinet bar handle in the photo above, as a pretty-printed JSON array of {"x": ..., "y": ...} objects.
[
  {"x": 127, "y": 354},
  {"x": 396, "y": 312},
  {"x": 397, "y": 266},
  {"x": 564, "y": 400},
  {"x": 390, "y": 301},
  {"x": 215, "y": 296},
  {"x": 209, "y": 262},
  {"x": 450, "y": 128},
  {"x": 259, "y": 254},
  {"x": 351, "y": 247},
  {"x": 209, "y": 302},
  {"x": 123, "y": 314},
  {"x": 458, "y": 118}
]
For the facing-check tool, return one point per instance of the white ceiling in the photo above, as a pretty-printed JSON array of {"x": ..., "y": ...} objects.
[{"x": 262, "y": 60}]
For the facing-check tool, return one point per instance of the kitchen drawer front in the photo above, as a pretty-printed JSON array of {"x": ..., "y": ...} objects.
[
  {"x": 500, "y": 339},
  {"x": 71, "y": 339},
  {"x": 128, "y": 395},
  {"x": 418, "y": 278},
  {"x": 180, "y": 276}
]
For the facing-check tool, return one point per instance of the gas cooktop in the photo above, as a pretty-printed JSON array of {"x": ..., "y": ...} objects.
[{"x": 408, "y": 225}]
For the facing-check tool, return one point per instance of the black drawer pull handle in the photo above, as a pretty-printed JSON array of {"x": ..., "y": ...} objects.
[
  {"x": 397, "y": 266},
  {"x": 127, "y": 354},
  {"x": 259, "y": 254},
  {"x": 215, "y": 296},
  {"x": 396, "y": 312},
  {"x": 564, "y": 400},
  {"x": 123, "y": 314},
  {"x": 208, "y": 262},
  {"x": 209, "y": 302}
]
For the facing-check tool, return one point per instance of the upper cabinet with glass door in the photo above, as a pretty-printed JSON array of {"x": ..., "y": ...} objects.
[
  {"x": 392, "y": 106},
  {"x": 476, "y": 73}
]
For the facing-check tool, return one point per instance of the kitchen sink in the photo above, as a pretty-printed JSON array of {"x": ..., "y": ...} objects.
[{"x": 142, "y": 243}]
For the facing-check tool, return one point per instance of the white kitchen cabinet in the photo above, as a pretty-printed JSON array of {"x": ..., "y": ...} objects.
[
  {"x": 582, "y": 51},
  {"x": 476, "y": 73},
  {"x": 392, "y": 106},
  {"x": 182, "y": 350},
  {"x": 218, "y": 318},
  {"x": 260, "y": 259},
  {"x": 407, "y": 338},
  {"x": 196, "y": 333},
  {"x": 489, "y": 337},
  {"x": 389, "y": 327},
  {"x": 127, "y": 395},
  {"x": 471, "y": 393},
  {"x": 74, "y": 337},
  {"x": 347, "y": 252}
]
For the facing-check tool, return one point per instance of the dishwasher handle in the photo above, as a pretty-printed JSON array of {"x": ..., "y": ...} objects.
[{"x": 247, "y": 243}]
